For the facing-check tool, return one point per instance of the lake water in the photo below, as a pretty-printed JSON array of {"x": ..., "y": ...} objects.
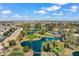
[
  {"x": 76, "y": 53},
  {"x": 35, "y": 45}
]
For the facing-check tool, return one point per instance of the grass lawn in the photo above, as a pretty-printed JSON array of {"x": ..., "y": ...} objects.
[
  {"x": 32, "y": 36},
  {"x": 48, "y": 34},
  {"x": 16, "y": 52}
]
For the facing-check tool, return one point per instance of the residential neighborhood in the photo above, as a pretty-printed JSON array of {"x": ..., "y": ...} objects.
[{"x": 39, "y": 29}]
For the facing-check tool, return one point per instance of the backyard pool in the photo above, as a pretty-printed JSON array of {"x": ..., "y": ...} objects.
[
  {"x": 1, "y": 37},
  {"x": 35, "y": 45}
]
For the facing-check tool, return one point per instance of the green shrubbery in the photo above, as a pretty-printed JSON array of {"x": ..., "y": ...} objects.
[
  {"x": 12, "y": 43},
  {"x": 16, "y": 52},
  {"x": 55, "y": 47},
  {"x": 26, "y": 49},
  {"x": 8, "y": 33}
]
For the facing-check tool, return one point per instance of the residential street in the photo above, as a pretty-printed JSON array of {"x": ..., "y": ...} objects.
[{"x": 12, "y": 36}]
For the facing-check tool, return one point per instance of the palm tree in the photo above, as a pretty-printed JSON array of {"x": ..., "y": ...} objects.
[{"x": 22, "y": 32}]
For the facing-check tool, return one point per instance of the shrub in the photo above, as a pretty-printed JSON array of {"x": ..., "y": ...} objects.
[
  {"x": 12, "y": 43},
  {"x": 26, "y": 49},
  {"x": 16, "y": 54}
]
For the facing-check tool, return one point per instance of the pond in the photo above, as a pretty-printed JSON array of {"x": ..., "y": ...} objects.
[
  {"x": 76, "y": 53},
  {"x": 35, "y": 45},
  {"x": 32, "y": 32}
]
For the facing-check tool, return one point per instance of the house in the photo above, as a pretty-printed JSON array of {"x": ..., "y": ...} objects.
[{"x": 77, "y": 33}]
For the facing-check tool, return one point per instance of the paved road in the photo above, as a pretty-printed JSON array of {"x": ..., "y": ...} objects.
[{"x": 12, "y": 36}]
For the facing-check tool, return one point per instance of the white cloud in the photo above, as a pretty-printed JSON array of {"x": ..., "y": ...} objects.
[
  {"x": 40, "y": 12},
  {"x": 19, "y": 16},
  {"x": 74, "y": 8},
  {"x": 61, "y": 3},
  {"x": 52, "y": 8},
  {"x": 65, "y": 9},
  {"x": 35, "y": 11},
  {"x": 6, "y": 12},
  {"x": 16, "y": 15},
  {"x": 44, "y": 10},
  {"x": 59, "y": 14}
]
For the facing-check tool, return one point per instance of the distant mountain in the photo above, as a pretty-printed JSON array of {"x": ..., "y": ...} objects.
[{"x": 40, "y": 20}]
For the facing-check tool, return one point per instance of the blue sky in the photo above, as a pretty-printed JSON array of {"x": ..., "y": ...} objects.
[{"x": 39, "y": 11}]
